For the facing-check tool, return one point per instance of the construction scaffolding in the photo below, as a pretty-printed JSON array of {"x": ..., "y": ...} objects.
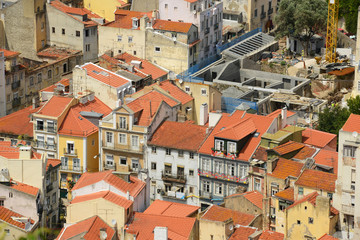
[{"x": 332, "y": 29}]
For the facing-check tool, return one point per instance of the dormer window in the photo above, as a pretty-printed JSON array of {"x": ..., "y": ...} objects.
[
  {"x": 231, "y": 147},
  {"x": 219, "y": 145},
  {"x": 135, "y": 22}
]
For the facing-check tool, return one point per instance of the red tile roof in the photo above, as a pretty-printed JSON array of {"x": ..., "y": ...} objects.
[
  {"x": 242, "y": 233},
  {"x": 175, "y": 91},
  {"x": 352, "y": 124},
  {"x": 146, "y": 66},
  {"x": 89, "y": 227},
  {"x": 9, "y": 54},
  {"x": 105, "y": 60},
  {"x": 327, "y": 158},
  {"x": 7, "y": 215},
  {"x": 135, "y": 186},
  {"x": 52, "y": 162},
  {"x": 18, "y": 123},
  {"x": 107, "y": 195},
  {"x": 179, "y": 228},
  {"x": 317, "y": 180},
  {"x": 123, "y": 18},
  {"x": 172, "y": 26},
  {"x": 65, "y": 82},
  {"x": 57, "y": 53},
  {"x": 254, "y": 197},
  {"x": 220, "y": 214},
  {"x": 22, "y": 187},
  {"x": 287, "y": 194},
  {"x": 148, "y": 104},
  {"x": 105, "y": 76},
  {"x": 270, "y": 235},
  {"x": 317, "y": 138},
  {"x": 288, "y": 147},
  {"x": 13, "y": 152},
  {"x": 171, "y": 209},
  {"x": 277, "y": 112},
  {"x": 55, "y": 106},
  {"x": 305, "y": 153},
  {"x": 237, "y": 131},
  {"x": 327, "y": 237},
  {"x": 76, "y": 125},
  {"x": 260, "y": 154},
  {"x": 71, "y": 11},
  {"x": 285, "y": 168},
  {"x": 179, "y": 135},
  {"x": 311, "y": 198},
  {"x": 262, "y": 123}
]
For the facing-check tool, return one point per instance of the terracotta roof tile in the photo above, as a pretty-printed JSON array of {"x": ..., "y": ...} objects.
[
  {"x": 317, "y": 180},
  {"x": 9, "y": 54},
  {"x": 104, "y": 75},
  {"x": 287, "y": 194},
  {"x": 172, "y": 26},
  {"x": 123, "y": 18},
  {"x": 146, "y": 66},
  {"x": 352, "y": 124},
  {"x": 55, "y": 106},
  {"x": 237, "y": 131},
  {"x": 175, "y": 91},
  {"x": 65, "y": 82},
  {"x": 25, "y": 188},
  {"x": 254, "y": 197},
  {"x": 135, "y": 186},
  {"x": 13, "y": 152},
  {"x": 52, "y": 162},
  {"x": 220, "y": 214},
  {"x": 171, "y": 209},
  {"x": 327, "y": 158},
  {"x": 270, "y": 235},
  {"x": 311, "y": 198},
  {"x": 115, "y": 66},
  {"x": 288, "y": 147},
  {"x": 305, "y": 153},
  {"x": 327, "y": 237},
  {"x": 277, "y": 112},
  {"x": 285, "y": 168},
  {"x": 107, "y": 195},
  {"x": 317, "y": 138},
  {"x": 143, "y": 225},
  {"x": 89, "y": 227},
  {"x": 262, "y": 123},
  {"x": 7, "y": 214},
  {"x": 18, "y": 123},
  {"x": 242, "y": 233},
  {"x": 185, "y": 136},
  {"x": 57, "y": 53},
  {"x": 76, "y": 125}
]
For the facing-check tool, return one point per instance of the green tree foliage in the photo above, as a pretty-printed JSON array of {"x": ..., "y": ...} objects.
[
  {"x": 301, "y": 19},
  {"x": 333, "y": 119},
  {"x": 349, "y": 10},
  {"x": 354, "y": 105}
]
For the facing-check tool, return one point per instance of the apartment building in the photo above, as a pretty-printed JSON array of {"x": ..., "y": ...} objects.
[
  {"x": 24, "y": 23},
  {"x": 124, "y": 132},
  {"x": 206, "y": 15},
  {"x": 172, "y": 160},
  {"x": 74, "y": 28},
  {"x": 347, "y": 185}
]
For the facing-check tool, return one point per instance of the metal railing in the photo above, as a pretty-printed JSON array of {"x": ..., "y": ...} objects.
[
  {"x": 216, "y": 26},
  {"x": 72, "y": 168},
  {"x": 109, "y": 166},
  {"x": 180, "y": 178},
  {"x": 15, "y": 85},
  {"x": 69, "y": 152},
  {"x": 204, "y": 194},
  {"x": 270, "y": 11},
  {"x": 263, "y": 15}
]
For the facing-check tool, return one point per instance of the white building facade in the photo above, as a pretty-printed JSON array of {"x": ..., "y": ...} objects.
[{"x": 2, "y": 84}]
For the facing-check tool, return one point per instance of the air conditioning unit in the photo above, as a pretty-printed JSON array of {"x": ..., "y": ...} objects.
[
  {"x": 174, "y": 39},
  {"x": 194, "y": 12}
]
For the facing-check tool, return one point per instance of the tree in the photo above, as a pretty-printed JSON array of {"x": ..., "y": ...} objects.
[
  {"x": 301, "y": 19},
  {"x": 354, "y": 105},
  {"x": 332, "y": 119},
  {"x": 349, "y": 10}
]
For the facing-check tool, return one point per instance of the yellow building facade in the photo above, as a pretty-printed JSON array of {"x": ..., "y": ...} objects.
[{"x": 106, "y": 8}]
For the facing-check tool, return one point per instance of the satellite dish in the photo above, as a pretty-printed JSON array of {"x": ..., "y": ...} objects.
[
  {"x": 180, "y": 81},
  {"x": 113, "y": 222},
  {"x": 103, "y": 235},
  {"x": 308, "y": 120},
  {"x": 355, "y": 134},
  {"x": 231, "y": 227}
]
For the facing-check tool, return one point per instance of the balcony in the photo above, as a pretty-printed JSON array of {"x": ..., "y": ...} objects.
[
  {"x": 257, "y": 171},
  {"x": 16, "y": 102},
  {"x": 207, "y": 30},
  {"x": 122, "y": 148},
  {"x": 205, "y": 195},
  {"x": 109, "y": 166},
  {"x": 72, "y": 168},
  {"x": 348, "y": 209},
  {"x": 126, "y": 127},
  {"x": 15, "y": 68},
  {"x": 15, "y": 85},
  {"x": 223, "y": 154},
  {"x": 173, "y": 178},
  {"x": 40, "y": 127},
  {"x": 216, "y": 26},
  {"x": 263, "y": 15},
  {"x": 270, "y": 11},
  {"x": 63, "y": 184},
  {"x": 174, "y": 195},
  {"x": 69, "y": 152},
  {"x": 222, "y": 176}
]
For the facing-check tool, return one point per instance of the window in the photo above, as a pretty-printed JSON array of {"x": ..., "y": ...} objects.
[
  {"x": 53, "y": 30},
  {"x": 203, "y": 91},
  {"x": 8, "y": 97},
  {"x": 87, "y": 32},
  {"x": 274, "y": 188},
  {"x": 153, "y": 149},
  {"x": 64, "y": 164},
  {"x": 119, "y": 38},
  {"x": 175, "y": 8},
  {"x": 54, "y": 197},
  {"x": 39, "y": 77},
  {"x": 231, "y": 147},
  {"x": 243, "y": 170},
  {"x": 191, "y": 155},
  {"x": 349, "y": 151},
  {"x": 76, "y": 164},
  {"x": 109, "y": 160},
  {"x": 298, "y": 222},
  {"x": 218, "y": 167},
  {"x": 206, "y": 164},
  {"x": 2, "y": 203},
  {"x": 8, "y": 79},
  {"x": 232, "y": 189},
  {"x": 135, "y": 141},
  {"x": 70, "y": 148},
  {"x": 63, "y": 175},
  {"x": 311, "y": 220},
  {"x": 135, "y": 164},
  {"x": 11, "y": 194},
  {"x": 301, "y": 191},
  {"x": 122, "y": 122},
  {"x": 191, "y": 189},
  {"x": 122, "y": 138},
  {"x": 87, "y": 47},
  {"x": 330, "y": 196},
  {"x": 180, "y": 171},
  {"x": 153, "y": 166},
  {"x": 109, "y": 136},
  {"x": 353, "y": 200},
  {"x": 93, "y": 142},
  {"x": 219, "y": 145},
  {"x": 123, "y": 161},
  {"x": 39, "y": 125},
  {"x": 257, "y": 185},
  {"x": 180, "y": 153},
  {"x": 167, "y": 167},
  {"x": 40, "y": 141},
  {"x": 75, "y": 177},
  {"x": 134, "y": 52},
  {"x": 65, "y": 68},
  {"x": 49, "y": 74},
  {"x": 218, "y": 188},
  {"x": 191, "y": 172},
  {"x": 231, "y": 169},
  {"x": 157, "y": 49},
  {"x": 187, "y": 89},
  {"x": 77, "y": 33},
  {"x": 255, "y": 13},
  {"x": 130, "y": 39},
  {"x": 166, "y": 6},
  {"x": 50, "y": 126},
  {"x": 206, "y": 186},
  {"x": 168, "y": 151},
  {"x": 51, "y": 143},
  {"x": 63, "y": 31}
]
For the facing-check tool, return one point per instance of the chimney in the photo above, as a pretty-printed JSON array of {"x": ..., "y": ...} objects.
[
  {"x": 283, "y": 117},
  {"x": 271, "y": 164},
  {"x": 25, "y": 153},
  {"x": 160, "y": 233},
  {"x": 136, "y": 63},
  {"x": 214, "y": 117},
  {"x": 204, "y": 113},
  {"x": 128, "y": 195}
]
